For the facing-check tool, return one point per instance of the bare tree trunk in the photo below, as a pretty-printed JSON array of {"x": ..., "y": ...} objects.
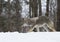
[
  {"x": 30, "y": 3},
  {"x": 9, "y": 17},
  {"x": 34, "y": 8},
  {"x": 40, "y": 7},
  {"x": 58, "y": 16},
  {"x": 0, "y": 7},
  {"x": 18, "y": 16},
  {"x": 47, "y": 8}
]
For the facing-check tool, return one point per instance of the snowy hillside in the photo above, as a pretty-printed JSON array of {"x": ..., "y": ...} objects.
[{"x": 30, "y": 37}]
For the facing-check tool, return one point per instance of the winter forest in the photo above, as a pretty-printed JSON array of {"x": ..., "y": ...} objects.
[{"x": 29, "y": 15}]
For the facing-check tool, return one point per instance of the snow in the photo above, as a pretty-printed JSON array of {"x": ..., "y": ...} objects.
[{"x": 30, "y": 37}]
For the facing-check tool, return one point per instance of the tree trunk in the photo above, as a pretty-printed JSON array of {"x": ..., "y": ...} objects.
[
  {"x": 58, "y": 16},
  {"x": 47, "y": 8},
  {"x": 0, "y": 7},
  {"x": 9, "y": 17},
  {"x": 40, "y": 7},
  {"x": 34, "y": 8},
  {"x": 18, "y": 15},
  {"x": 30, "y": 3}
]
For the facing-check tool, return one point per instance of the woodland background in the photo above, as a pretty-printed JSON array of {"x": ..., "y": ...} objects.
[{"x": 13, "y": 12}]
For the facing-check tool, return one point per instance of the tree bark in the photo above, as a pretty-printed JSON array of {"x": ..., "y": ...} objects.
[
  {"x": 1, "y": 6},
  {"x": 40, "y": 7},
  {"x": 34, "y": 8},
  {"x": 30, "y": 3},
  {"x": 18, "y": 15},
  {"x": 58, "y": 16},
  {"x": 47, "y": 8},
  {"x": 9, "y": 17}
]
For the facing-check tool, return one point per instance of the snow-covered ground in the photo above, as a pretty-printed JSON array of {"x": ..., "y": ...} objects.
[{"x": 30, "y": 37}]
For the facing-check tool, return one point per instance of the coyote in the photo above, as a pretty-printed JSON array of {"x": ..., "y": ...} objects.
[{"x": 42, "y": 24}]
